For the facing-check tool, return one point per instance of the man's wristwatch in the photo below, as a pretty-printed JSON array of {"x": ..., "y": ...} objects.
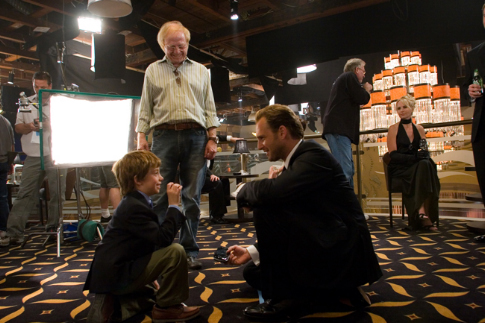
[{"x": 214, "y": 139}]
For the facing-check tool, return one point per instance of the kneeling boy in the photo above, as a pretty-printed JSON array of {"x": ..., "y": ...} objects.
[{"x": 136, "y": 250}]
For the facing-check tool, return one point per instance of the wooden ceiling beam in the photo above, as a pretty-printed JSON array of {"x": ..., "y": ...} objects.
[
  {"x": 233, "y": 48},
  {"x": 210, "y": 10},
  {"x": 18, "y": 18},
  {"x": 54, "y": 5},
  {"x": 141, "y": 57},
  {"x": 18, "y": 52},
  {"x": 12, "y": 36},
  {"x": 21, "y": 66},
  {"x": 280, "y": 19}
]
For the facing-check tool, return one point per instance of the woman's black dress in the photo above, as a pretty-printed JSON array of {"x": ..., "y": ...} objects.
[{"x": 419, "y": 179}]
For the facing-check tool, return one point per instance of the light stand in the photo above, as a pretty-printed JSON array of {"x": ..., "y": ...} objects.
[{"x": 111, "y": 119}]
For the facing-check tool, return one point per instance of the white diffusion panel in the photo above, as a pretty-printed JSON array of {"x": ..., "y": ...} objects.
[{"x": 89, "y": 132}]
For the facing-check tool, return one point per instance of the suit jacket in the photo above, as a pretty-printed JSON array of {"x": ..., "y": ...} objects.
[
  {"x": 328, "y": 244},
  {"x": 476, "y": 60},
  {"x": 342, "y": 115},
  {"x": 133, "y": 234}
]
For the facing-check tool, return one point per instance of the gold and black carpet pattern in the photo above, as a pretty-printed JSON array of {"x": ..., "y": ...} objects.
[{"x": 428, "y": 277}]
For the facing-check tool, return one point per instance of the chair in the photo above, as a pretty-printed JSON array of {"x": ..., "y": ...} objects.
[{"x": 392, "y": 186}]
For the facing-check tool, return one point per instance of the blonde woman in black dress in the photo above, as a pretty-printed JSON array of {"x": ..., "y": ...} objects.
[{"x": 414, "y": 167}]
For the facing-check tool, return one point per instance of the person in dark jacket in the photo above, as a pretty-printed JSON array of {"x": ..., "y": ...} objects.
[
  {"x": 136, "y": 250},
  {"x": 312, "y": 235},
  {"x": 476, "y": 61},
  {"x": 341, "y": 122}
]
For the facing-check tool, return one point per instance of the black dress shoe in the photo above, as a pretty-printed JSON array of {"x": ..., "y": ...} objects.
[
  {"x": 281, "y": 311},
  {"x": 219, "y": 221},
  {"x": 358, "y": 298},
  {"x": 193, "y": 263},
  {"x": 479, "y": 238}
]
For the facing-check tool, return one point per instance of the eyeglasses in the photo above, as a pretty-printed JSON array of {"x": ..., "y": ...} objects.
[
  {"x": 177, "y": 77},
  {"x": 173, "y": 47},
  {"x": 362, "y": 69}
]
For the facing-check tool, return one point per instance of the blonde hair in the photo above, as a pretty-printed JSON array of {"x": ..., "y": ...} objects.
[
  {"x": 170, "y": 27},
  {"x": 280, "y": 115},
  {"x": 136, "y": 163},
  {"x": 408, "y": 101},
  {"x": 352, "y": 64}
]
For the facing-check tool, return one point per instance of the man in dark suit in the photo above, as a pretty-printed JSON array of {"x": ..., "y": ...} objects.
[
  {"x": 136, "y": 250},
  {"x": 341, "y": 123},
  {"x": 476, "y": 60},
  {"x": 218, "y": 197},
  {"x": 313, "y": 239}
]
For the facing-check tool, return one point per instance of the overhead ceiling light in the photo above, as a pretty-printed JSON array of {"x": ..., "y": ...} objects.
[
  {"x": 11, "y": 77},
  {"x": 306, "y": 69},
  {"x": 90, "y": 24},
  {"x": 110, "y": 8},
  {"x": 234, "y": 9}
]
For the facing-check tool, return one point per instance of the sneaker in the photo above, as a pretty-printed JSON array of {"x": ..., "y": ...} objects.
[
  {"x": 106, "y": 220},
  {"x": 102, "y": 308},
  {"x": 176, "y": 313},
  {"x": 7, "y": 241},
  {"x": 193, "y": 263}
]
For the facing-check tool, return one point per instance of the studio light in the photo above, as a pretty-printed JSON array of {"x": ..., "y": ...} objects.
[
  {"x": 71, "y": 146},
  {"x": 306, "y": 69},
  {"x": 234, "y": 10},
  {"x": 90, "y": 24},
  {"x": 11, "y": 77},
  {"x": 110, "y": 8}
]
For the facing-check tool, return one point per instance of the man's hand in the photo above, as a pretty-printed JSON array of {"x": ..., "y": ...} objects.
[
  {"x": 367, "y": 87},
  {"x": 210, "y": 150},
  {"x": 275, "y": 170},
  {"x": 238, "y": 255},
  {"x": 173, "y": 193},
  {"x": 214, "y": 178},
  {"x": 474, "y": 91},
  {"x": 142, "y": 143}
]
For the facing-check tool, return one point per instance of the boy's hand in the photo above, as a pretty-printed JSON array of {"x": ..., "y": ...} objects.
[{"x": 173, "y": 193}]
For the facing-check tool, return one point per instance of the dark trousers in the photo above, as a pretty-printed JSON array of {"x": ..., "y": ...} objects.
[
  {"x": 479, "y": 155},
  {"x": 218, "y": 196},
  {"x": 252, "y": 275},
  {"x": 272, "y": 232}
]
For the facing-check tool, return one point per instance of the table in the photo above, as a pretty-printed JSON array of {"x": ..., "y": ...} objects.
[{"x": 239, "y": 178}]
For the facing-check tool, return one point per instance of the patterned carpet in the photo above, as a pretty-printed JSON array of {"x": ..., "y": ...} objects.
[{"x": 428, "y": 277}]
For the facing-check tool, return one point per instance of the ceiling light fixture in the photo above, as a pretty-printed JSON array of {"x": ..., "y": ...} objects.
[
  {"x": 234, "y": 9},
  {"x": 110, "y": 8},
  {"x": 11, "y": 77},
  {"x": 306, "y": 69}
]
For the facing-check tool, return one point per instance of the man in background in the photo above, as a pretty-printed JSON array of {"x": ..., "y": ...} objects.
[
  {"x": 7, "y": 144},
  {"x": 178, "y": 104},
  {"x": 27, "y": 124},
  {"x": 108, "y": 192},
  {"x": 475, "y": 61},
  {"x": 341, "y": 123}
]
